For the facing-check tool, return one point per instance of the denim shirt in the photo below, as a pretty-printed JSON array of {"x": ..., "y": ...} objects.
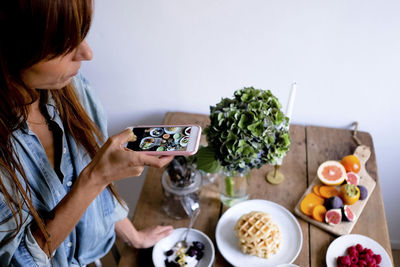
[{"x": 94, "y": 234}]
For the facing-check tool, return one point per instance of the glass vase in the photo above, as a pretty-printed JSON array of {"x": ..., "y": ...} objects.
[{"x": 233, "y": 188}]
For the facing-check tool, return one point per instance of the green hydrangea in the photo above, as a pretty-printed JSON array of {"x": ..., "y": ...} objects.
[{"x": 248, "y": 131}]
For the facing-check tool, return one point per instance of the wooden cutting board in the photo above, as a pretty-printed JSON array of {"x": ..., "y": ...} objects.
[{"x": 363, "y": 153}]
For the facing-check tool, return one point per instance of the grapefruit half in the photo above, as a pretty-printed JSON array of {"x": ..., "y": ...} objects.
[{"x": 331, "y": 172}]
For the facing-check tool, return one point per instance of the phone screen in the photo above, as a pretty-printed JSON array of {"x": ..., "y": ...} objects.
[{"x": 160, "y": 138}]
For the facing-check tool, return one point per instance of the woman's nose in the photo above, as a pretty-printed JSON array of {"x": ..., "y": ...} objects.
[{"x": 83, "y": 52}]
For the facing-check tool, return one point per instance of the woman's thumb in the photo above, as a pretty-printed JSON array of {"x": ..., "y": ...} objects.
[{"x": 125, "y": 136}]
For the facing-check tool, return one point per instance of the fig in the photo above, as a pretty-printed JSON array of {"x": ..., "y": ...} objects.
[
  {"x": 352, "y": 178},
  {"x": 363, "y": 192},
  {"x": 333, "y": 216},
  {"x": 348, "y": 215},
  {"x": 333, "y": 203}
]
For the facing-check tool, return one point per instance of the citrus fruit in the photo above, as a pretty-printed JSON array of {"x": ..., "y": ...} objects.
[
  {"x": 331, "y": 173},
  {"x": 351, "y": 163},
  {"x": 309, "y": 202}
]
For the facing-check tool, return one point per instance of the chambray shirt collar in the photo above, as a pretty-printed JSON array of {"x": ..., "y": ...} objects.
[{"x": 53, "y": 115}]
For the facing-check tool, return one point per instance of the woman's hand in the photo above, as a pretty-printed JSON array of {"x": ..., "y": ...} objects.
[
  {"x": 114, "y": 161},
  {"x": 148, "y": 237},
  {"x": 145, "y": 238}
]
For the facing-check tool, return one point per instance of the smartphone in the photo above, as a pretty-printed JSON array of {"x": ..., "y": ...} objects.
[{"x": 166, "y": 139}]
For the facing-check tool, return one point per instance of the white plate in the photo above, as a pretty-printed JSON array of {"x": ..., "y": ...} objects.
[
  {"x": 157, "y": 132},
  {"x": 168, "y": 242},
  {"x": 339, "y": 246},
  {"x": 172, "y": 130},
  {"x": 227, "y": 242},
  {"x": 150, "y": 144}
]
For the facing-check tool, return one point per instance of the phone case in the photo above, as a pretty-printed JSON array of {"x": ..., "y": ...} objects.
[{"x": 172, "y": 153}]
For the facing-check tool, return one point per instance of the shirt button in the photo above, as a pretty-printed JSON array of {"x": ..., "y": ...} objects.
[
  {"x": 69, "y": 244},
  {"x": 69, "y": 183},
  {"x": 64, "y": 150}
]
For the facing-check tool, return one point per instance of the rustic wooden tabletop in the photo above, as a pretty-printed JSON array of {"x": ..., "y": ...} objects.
[{"x": 310, "y": 147}]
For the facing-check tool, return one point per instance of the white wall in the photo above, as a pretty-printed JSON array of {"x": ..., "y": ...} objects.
[{"x": 155, "y": 56}]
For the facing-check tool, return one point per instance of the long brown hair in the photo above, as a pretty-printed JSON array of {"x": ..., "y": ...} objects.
[{"x": 33, "y": 31}]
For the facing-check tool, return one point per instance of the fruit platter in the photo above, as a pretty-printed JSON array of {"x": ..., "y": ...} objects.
[{"x": 337, "y": 196}]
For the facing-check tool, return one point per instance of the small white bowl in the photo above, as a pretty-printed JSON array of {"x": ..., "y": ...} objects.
[{"x": 168, "y": 242}]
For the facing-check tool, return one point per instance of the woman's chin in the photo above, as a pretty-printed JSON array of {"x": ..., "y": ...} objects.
[{"x": 59, "y": 85}]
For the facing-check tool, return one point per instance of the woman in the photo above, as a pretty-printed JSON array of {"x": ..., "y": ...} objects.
[{"x": 57, "y": 202}]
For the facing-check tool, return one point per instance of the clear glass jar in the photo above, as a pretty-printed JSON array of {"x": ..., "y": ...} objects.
[
  {"x": 180, "y": 201},
  {"x": 233, "y": 187},
  {"x": 209, "y": 178}
]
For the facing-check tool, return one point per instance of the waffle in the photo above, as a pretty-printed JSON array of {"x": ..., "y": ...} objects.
[{"x": 258, "y": 235}]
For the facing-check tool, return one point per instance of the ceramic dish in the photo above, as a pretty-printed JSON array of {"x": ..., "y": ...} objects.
[
  {"x": 194, "y": 235},
  {"x": 227, "y": 242},
  {"x": 339, "y": 246}
]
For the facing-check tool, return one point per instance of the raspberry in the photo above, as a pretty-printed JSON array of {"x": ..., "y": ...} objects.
[
  {"x": 378, "y": 258},
  {"x": 359, "y": 248},
  {"x": 362, "y": 263},
  {"x": 349, "y": 249},
  {"x": 354, "y": 253},
  {"x": 364, "y": 257},
  {"x": 339, "y": 259},
  {"x": 353, "y": 259},
  {"x": 370, "y": 252},
  {"x": 346, "y": 260}
]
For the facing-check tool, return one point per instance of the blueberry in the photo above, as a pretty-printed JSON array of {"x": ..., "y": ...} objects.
[
  {"x": 198, "y": 245},
  {"x": 169, "y": 252},
  {"x": 191, "y": 251},
  {"x": 199, "y": 255},
  {"x": 170, "y": 264}
]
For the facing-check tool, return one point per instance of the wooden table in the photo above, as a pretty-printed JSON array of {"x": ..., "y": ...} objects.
[{"x": 310, "y": 147}]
